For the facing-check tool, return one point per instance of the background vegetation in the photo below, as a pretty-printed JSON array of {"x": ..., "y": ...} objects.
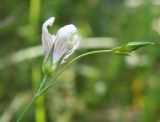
[{"x": 99, "y": 88}]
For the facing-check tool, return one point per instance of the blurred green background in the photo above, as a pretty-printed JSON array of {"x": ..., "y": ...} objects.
[{"x": 99, "y": 88}]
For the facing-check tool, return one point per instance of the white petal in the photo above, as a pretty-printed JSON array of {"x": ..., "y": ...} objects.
[
  {"x": 47, "y": 38},
  {"x": 61, "y": 41}
]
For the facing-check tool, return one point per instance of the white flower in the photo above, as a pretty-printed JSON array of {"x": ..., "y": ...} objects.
[{"x": 61, "y": 46}]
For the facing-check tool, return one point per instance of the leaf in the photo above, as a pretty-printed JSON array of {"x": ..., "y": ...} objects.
[{"x": 129, "y": 47}]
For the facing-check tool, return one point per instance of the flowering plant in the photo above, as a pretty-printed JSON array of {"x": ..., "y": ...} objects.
[{"x": 57, "y": 50}]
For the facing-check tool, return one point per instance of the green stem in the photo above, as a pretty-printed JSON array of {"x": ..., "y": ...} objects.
[
  {"x": 27, "y": 108},
  {"x": 41, "y": 85},
  {"x": 50, "y": 84},
  {"x": 38, "y": 89}
]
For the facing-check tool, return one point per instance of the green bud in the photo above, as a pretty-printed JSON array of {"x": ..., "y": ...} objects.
[{"x": 129, "y": 47}]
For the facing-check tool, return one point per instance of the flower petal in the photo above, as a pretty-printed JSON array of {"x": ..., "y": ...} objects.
[
  {"x": 62, "y": 41},
  {"x": 47, "y": 38}
]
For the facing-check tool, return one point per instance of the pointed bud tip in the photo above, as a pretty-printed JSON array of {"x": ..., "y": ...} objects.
[
  {"x": 140, "y": 43},
  {"x": 131, "y": 46}
]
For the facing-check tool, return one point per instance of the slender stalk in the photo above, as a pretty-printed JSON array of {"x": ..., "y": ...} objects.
[
  {"x": 38, "y": 89},
  {"x": 77, "y": 58},
  {"x": 41, "y": 84},
  {"x": 27, "y": 108},
  {"x": 50, "y": 84}
]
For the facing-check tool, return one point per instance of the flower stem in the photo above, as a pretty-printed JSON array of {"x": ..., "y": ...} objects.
[
  {"x": 38, "y": 89},
  {"x": 41, "y": 85},
  {"x": 27, "y": 108}
]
